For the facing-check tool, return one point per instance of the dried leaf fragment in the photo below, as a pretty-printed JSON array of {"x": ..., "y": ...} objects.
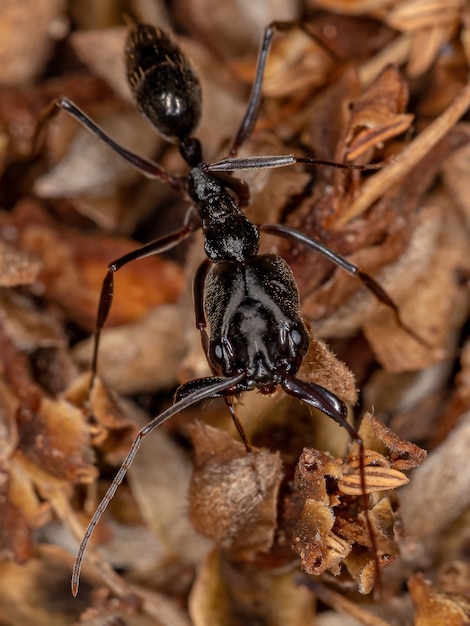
[
  {"x": 331, "y": 525},
  {"x": 434, "y": 608},
  {"x": 129, "y": 362},
  {"x": 70, "y": 257},
  {"x": 233, "y": 496},
  {"x": 378, "y": 114},
  {"x": 56, "y": 440},
  {"x": 318, "y": 547},
  {"x": 403, "y": 455},
  {"x": 25, "y": 36},
  {"x": 110, "y": 428},
  {"x": 416, "y": 14},
  {"x": 16, "y": 267},
  {"x": 230, "y": 594}
]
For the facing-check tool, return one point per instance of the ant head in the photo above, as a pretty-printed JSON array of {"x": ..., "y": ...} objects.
[{"x": 165, "y": 87}]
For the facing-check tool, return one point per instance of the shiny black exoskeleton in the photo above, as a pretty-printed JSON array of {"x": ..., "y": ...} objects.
[{"x": 256, "y": 336}]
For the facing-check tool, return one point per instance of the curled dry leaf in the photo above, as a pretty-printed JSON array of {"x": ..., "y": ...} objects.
[
  {"x": 373, "y": 244},
  {"x": 45, "y": 450},
  {"x": 432, "y": 23},
  {"x": 233, "y": 495},
  {"x": 398, "y": 278},
  {"x": 378, "y": 114},
  {"x": 402, "y": 455},
  {"x": 297, "y": 62},
  {"x": 416, "y": 14}
]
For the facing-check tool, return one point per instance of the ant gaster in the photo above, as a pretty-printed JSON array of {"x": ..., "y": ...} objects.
[{"x": 257, "y": 337}]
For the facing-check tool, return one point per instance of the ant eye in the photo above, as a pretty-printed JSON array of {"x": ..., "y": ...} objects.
[
  {"x": 218, "y": 352},
  {"x": 296, "y": 337}
]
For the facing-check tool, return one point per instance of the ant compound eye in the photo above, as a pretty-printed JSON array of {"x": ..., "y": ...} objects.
[
  {"x": 296, "y": 337},
  {"x": 218, "y": 352}
]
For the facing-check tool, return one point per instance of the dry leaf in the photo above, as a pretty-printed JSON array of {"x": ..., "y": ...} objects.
[
  {"x": 434, "y": 608},
  {"x": 27, "y": 34},
  {"x": 16, "y": 267},
  {"x": 235, "y": 595},
  {"x": 233, "y": 495},
  {"x": 328, "y": 94}
]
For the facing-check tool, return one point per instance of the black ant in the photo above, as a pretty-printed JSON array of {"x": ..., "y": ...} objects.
[{"x": 257, "y": 337}]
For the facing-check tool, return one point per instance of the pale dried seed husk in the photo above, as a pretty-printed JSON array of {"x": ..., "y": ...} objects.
[{"x": 376, "y": 479}]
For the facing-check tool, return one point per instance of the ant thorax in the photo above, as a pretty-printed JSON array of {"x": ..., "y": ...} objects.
[{"x": 219, "y": 214}]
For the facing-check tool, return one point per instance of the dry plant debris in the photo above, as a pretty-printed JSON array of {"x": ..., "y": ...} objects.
[{"x": 258, "y": 538}]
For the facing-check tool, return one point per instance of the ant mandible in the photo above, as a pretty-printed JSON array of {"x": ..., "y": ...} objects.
[{"x": 257, "y": 337}]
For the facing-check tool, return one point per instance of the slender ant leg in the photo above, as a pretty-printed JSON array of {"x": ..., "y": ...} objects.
[
  {"x": 146, "y": 166},
  {"x": 107, "y": 290},
  {"x": 251, "y": 115},
  {"x": 370, "y": 283}
]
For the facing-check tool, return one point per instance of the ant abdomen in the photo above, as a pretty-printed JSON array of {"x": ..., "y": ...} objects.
[{"x": 165, "y": 87}]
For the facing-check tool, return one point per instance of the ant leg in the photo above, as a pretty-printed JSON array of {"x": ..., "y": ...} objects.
[
  {"x": 107, "y": 290},
  {"x": 212, "y": 388},
  {"x": 239, "y": 426},
  {"x": 372, "y": 285},
  {"x": 145, "y": 166},
  {"x": 251, "y": 114},
  {"x": 329, "y": 404},
  {"x": 321, "y": 399}
]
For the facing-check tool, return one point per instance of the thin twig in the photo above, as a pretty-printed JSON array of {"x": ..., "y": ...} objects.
[{"x": 380, "y": 183}]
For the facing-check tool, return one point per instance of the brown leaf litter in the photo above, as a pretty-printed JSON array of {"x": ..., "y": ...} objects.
[{"x": 285, "y": 531}]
